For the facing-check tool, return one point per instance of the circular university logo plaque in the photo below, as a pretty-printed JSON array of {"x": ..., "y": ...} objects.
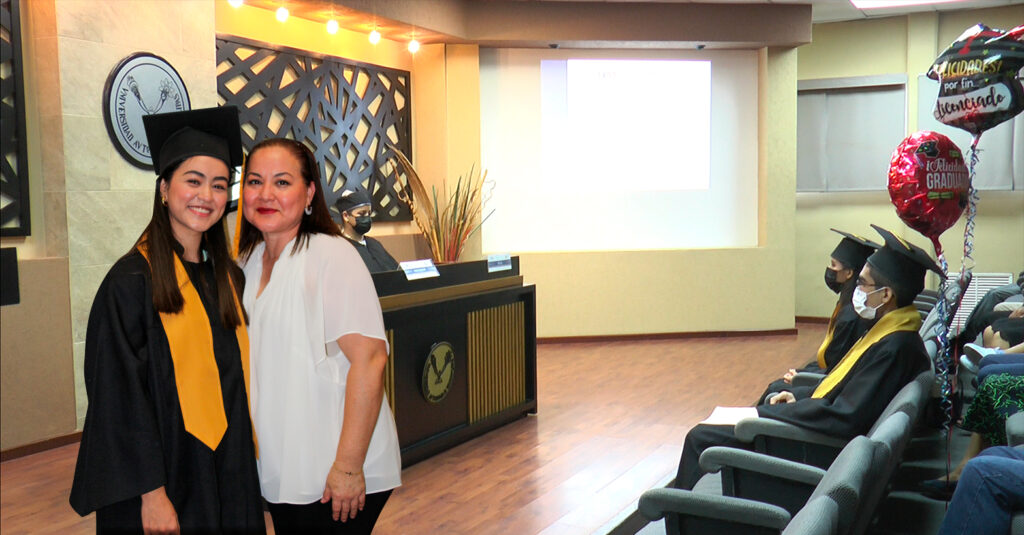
[
  {"x": 141, "y": 84},
  {"x": 438, "y": 372}
]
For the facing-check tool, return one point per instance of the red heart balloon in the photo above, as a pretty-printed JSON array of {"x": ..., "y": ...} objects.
[{"x": 928, "y": 183}]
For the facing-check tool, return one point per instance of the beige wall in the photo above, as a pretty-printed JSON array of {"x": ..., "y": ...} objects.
[
  {"x": 631, "y": 292},
  {"x": 42, "y": 117},
  {"x": 109, "y": 201},
  {"x": 37, "y": 392},
  {"x": 897, "y": 45},
  {"x": 36, "y": 337}
]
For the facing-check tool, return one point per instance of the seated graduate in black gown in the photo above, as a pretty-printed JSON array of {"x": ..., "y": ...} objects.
[
  {"x": 844, "y": 326},
  {"x": 357, "y": 217},
  {"x": 852, "y": 396},
  {"x": 167, "y": 443}
]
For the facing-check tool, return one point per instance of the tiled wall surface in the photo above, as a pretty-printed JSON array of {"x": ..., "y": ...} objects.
[{"x": 108, "y": 201}]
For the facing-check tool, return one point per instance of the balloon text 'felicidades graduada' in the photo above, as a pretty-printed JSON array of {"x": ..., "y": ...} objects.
[
  {"x": 167, "y": 442},
  {"x": 852, "y": 396}
]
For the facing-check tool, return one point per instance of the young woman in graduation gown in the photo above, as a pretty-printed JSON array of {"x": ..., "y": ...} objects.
[
  {"x": 167, "y": 445},
  {"x": 329, "y": 453}
]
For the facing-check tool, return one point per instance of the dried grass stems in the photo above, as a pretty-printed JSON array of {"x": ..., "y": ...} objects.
[{"x": 446, "y": 227}]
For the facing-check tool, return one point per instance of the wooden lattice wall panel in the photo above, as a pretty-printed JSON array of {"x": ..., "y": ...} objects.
[
  {"x": 350, "y": 113},
  {"x": 14, "y": 201}
]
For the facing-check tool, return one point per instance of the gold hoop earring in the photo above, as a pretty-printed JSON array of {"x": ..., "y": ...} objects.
[{"x": 163, "y": 201}]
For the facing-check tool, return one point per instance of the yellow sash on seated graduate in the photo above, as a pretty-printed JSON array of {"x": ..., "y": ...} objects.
[{"x": 901, "y": 319}]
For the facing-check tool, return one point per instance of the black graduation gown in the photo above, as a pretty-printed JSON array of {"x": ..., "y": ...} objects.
[
  {"x": 849, "y": 327},
  {"x": 374, "y": 255},
  {"x": 850, "y": 409},
  {"x": 134, "y": 439}
]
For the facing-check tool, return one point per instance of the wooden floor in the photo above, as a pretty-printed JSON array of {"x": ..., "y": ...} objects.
[{"x": 611, "y": 423}]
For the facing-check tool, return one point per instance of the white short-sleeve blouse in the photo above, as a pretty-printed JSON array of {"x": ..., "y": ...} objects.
[{"x": 298, "y": 372}]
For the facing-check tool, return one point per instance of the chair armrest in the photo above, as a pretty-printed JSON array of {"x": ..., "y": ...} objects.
[
  {"x": 1015, "y": 429},
  {"x": 716, "y": 458},
  {"x": 807, "y": 379},
  {"x": 748, "y": 429},
  {"x": 656, "y": 503},
  {"x": 763, "y": 478}
]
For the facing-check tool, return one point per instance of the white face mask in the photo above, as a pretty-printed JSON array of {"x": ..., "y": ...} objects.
[{"x": 860, "y": 303}]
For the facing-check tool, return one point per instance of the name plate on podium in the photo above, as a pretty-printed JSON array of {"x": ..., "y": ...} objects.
[
  {"x": 419, "y": 269},
  {"x": 499, "y": 262}
]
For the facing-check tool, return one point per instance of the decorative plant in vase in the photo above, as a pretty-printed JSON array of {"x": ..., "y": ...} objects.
[{"x": 446, "y": 226}]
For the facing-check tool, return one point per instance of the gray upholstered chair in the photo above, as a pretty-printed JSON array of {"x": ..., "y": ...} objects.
[
  {"x": 754, "y": 476},
  {"x": 819, "y": 517},
  {"x": 1015, "y": 429},
  {"x": 692, "y": 512},
  {"x": 787, "y": 441},
  {"x": 893, "y": 433}
]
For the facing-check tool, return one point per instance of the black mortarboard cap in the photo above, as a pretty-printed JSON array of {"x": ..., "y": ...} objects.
[
  {"x": 902, "y": 262},
  {"x": 178, "y": 135},
  {"x": 353, "y": 198},
  {"x": 853, "y": 250}
]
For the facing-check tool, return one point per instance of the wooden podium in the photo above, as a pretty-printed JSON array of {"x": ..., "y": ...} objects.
[{"x": 463, "y": 355}]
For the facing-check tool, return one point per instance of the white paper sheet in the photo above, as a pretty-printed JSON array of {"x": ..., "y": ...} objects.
[{"x": 729, "y": 415}]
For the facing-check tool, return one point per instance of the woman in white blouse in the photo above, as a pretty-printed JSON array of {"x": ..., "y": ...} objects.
[{"x": 328, "y": 447}]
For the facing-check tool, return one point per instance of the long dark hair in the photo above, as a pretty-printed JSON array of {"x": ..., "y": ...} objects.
[
  {"x": 158, "y": 239},
  {"x": 846, "y": 291},
  {"x": 318, "y": 222}
]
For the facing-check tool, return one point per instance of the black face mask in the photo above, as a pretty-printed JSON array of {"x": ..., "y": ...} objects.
[
  {"x": 830, "y": 280},
  {"x": 362, "y": 225}
]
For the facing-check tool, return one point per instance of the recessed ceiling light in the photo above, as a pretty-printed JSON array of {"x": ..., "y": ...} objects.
[
  {"x": 374, "y": 37},
  {"x": 332, "y": 26},
  {"x": 282, "y": 14},
  {"x": 414, "y": 46},
  {"x": 879, "y": 4}
]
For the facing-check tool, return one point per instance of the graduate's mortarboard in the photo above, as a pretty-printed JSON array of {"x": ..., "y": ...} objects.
[
  {"x": 902, "y": 262},
  {"x": 353, "y": 198},
  {"x": 853, "y": 250},
  {"x": 178, "y": 135}
]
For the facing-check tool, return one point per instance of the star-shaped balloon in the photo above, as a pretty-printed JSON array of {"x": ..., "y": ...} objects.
[{"x": 978, "y": 75}]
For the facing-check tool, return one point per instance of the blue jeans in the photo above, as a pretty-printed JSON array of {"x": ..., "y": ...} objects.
[{"x": 990, "y": 490}]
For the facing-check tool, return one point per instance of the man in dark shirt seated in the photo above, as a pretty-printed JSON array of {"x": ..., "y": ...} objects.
[
  {"x": 356, "y": 217},
  {"x": 857, "y": 389}
]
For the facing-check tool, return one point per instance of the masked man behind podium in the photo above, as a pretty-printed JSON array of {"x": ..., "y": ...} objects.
[
  {"x": 856, "y": 391},
  {"x": 356, "y": 217}
]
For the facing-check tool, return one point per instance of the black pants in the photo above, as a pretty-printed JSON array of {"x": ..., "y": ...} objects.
[
  {"x": 700, "y": 438},
  {"x": 1011, "y": 330},
  {"x": 316, "y": 517},
  {"x": 981, "y": 316}
]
